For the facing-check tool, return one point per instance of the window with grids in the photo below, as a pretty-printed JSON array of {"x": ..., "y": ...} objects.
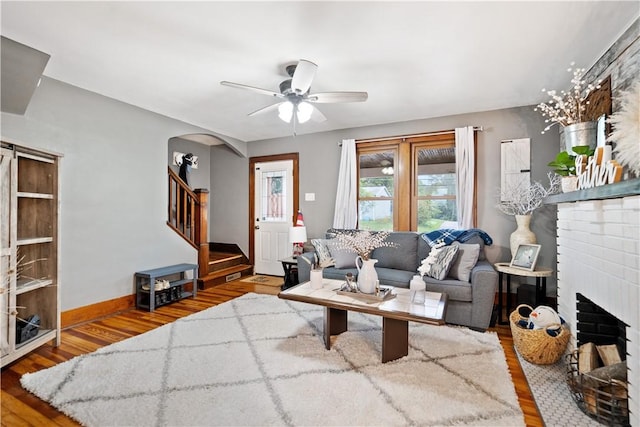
[{"x": 407, "y": 184}]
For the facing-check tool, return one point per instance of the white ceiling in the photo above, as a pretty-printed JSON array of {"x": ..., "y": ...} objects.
[{"x": 416, "y": 60}]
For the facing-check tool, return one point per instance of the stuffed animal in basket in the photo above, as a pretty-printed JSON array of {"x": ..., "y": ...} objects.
[{"x": 541, "y": 318}]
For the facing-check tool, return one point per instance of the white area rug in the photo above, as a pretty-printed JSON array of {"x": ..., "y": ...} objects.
[{"x": 259, "y": 360}]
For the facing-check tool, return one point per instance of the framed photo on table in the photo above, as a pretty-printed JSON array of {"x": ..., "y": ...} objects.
[{"x": 526, "y": 257}]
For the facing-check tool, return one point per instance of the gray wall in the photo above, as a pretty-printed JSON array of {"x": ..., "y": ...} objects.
[
  {"x": 320, "y": 159},
  {"x": 229, "y": 198},
  {"x": 113, "y": 187}
]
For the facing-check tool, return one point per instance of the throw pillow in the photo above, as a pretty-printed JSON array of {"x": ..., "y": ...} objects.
[
  {"x": 466, "y": 259},
  {"x": 343, "y": 258},
  {"x": 323, "y": 252},
  {"x": 439, "y": 261},
  {"x": 477, "y": 240}
]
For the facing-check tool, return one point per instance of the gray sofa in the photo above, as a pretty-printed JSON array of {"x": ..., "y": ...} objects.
[{"x": 470, "y": 303}]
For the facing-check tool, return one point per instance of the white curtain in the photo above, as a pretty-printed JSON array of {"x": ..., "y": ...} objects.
[
  {"x": 465, "y": 173},
  {"x": 346, "y": 211}
]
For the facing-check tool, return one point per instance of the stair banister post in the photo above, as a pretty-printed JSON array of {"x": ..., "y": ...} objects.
[{"x": 202, "y": 227}]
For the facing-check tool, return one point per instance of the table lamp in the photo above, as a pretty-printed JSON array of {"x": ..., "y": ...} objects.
[{"x": 297, "y": 236}]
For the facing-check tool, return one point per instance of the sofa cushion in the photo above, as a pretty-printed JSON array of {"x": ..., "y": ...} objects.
[
  {"x": 457, "y": 290},
  {"x": 338, "y": 273},
  {"x": 439, "y": 261},
  {"x": 323, "y": 253},
  {"x": 402, "y": 256},
  {"x": 393, "y": 277},
  {"x": 465, "y": 260},
  {"x": 423, "y": 250},
  {"x": 343, "y": 258}
]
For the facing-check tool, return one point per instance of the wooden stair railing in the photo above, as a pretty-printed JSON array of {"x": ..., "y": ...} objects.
[{"x": 188, "y": 216}]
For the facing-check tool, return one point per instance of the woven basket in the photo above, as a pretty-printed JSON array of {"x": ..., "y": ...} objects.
[{"x": 536, "y": 345}]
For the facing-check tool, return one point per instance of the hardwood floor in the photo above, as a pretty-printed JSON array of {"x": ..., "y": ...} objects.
[{"x": 20, "y": 408}]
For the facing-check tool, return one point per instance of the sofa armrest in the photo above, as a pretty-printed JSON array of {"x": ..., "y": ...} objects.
[
  {"x": 305, "y": 261},
  {"x": 484, "y": 284}
]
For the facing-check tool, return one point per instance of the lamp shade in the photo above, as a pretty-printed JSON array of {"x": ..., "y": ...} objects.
[
  {"x": 304, "y": 111},
  {"x": 285, "y": 111},
  {"x": 297, "y": 234}
]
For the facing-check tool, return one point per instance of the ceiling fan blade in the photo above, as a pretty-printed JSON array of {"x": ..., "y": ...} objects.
[
  {"x": 303, "y": 76},
  {"x": 334, "y": 97},
  {"x": 265, "y": 109},
  {"x": 252, "y": 88},
  {"x": 317, "y": 115}
]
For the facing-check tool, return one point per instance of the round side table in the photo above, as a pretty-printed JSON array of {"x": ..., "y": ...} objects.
[{"x": 540, "y": 274}]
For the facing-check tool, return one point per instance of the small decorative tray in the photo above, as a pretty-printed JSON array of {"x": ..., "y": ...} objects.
[{"x": 383, "y": 294}]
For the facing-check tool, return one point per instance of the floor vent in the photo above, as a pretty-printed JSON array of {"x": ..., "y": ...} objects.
[{"x": 234, "y": 276}]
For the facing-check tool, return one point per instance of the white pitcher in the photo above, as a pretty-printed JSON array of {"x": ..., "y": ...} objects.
[{"x": 367, "y": 275}]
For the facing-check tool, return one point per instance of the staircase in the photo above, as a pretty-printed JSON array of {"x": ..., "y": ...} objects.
[
  {"x": 218, "y": 263},
  {"x": 226, "y": 263}
]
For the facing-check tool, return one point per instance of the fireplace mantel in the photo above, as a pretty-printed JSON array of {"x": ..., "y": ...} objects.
[{"x": 630, "y": 187}]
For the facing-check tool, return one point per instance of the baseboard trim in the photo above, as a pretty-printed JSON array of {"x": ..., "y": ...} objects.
[{"x": 95, "y": 311}]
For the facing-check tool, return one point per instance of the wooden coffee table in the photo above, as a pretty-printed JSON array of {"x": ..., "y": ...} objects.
[{"x": 396, "y": 313}]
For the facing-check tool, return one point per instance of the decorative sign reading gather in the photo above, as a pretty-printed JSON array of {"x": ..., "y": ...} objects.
[{"x": 598, "y": 169}]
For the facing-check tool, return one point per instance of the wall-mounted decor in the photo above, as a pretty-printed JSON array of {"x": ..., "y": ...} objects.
[
  {"x": 626, "y": 133},
  {"x": 177, "y": 160},
  {"x": 515, "y": 166}
]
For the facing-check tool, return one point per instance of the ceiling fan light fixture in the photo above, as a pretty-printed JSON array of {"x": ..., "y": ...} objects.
[
  {"x": 304, "y": 111},
  {"x": 285, "y": 111}
]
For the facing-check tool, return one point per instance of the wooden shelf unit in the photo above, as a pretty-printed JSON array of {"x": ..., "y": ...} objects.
[{"x": 29, "y": 261}]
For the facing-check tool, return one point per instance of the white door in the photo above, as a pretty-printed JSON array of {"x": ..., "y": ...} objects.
[{"x": 273, "y": 215}]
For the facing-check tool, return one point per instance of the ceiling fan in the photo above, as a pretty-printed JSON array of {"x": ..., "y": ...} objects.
[{"x": 295, "y": 97}]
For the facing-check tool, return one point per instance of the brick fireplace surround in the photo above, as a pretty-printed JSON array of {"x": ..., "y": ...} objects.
[{"x": 599, "y": 256}]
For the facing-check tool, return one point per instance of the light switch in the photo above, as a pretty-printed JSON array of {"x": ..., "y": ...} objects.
[{"x": 309, "y": 197}]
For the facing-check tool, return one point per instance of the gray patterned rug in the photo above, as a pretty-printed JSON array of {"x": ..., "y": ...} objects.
[{"x": 259, "y": 360}]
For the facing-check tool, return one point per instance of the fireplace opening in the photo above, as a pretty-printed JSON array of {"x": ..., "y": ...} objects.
[
  {"x": 598, "y": 326},
  {"x": 597, "y": 369}
]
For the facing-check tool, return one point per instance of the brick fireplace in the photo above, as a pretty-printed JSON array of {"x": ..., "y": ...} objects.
[{"x": 598, "y": 245}]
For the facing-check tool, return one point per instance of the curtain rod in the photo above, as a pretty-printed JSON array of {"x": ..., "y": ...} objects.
[{"x": 389, "y": 138}]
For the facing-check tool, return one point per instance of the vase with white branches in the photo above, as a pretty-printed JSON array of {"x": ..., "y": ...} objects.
[
  {"x": 364, "y": 242},
  {"x": 521, "y": 201}
]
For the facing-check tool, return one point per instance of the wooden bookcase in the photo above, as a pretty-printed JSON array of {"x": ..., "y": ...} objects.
[{"x": 29, "y": 249}]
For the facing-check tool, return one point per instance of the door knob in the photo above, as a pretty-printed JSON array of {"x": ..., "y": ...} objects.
[{"x": 257, "y": 227}]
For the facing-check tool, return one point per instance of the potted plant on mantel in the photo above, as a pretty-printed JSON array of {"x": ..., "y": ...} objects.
[
  {"x": 567, "y": 110},
  {"x": 565, "y": 166}
]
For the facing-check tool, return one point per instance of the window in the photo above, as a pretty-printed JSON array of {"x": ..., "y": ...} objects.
[
  {"x": 274, "y": 196},
  {"x": 407, "y": 183},
  {"x": 376, "y": 188},
  {"x": 435, "y": 183}
]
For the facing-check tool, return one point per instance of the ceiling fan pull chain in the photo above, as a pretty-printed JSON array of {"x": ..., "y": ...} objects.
[{"x": 295, "y": 120}]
